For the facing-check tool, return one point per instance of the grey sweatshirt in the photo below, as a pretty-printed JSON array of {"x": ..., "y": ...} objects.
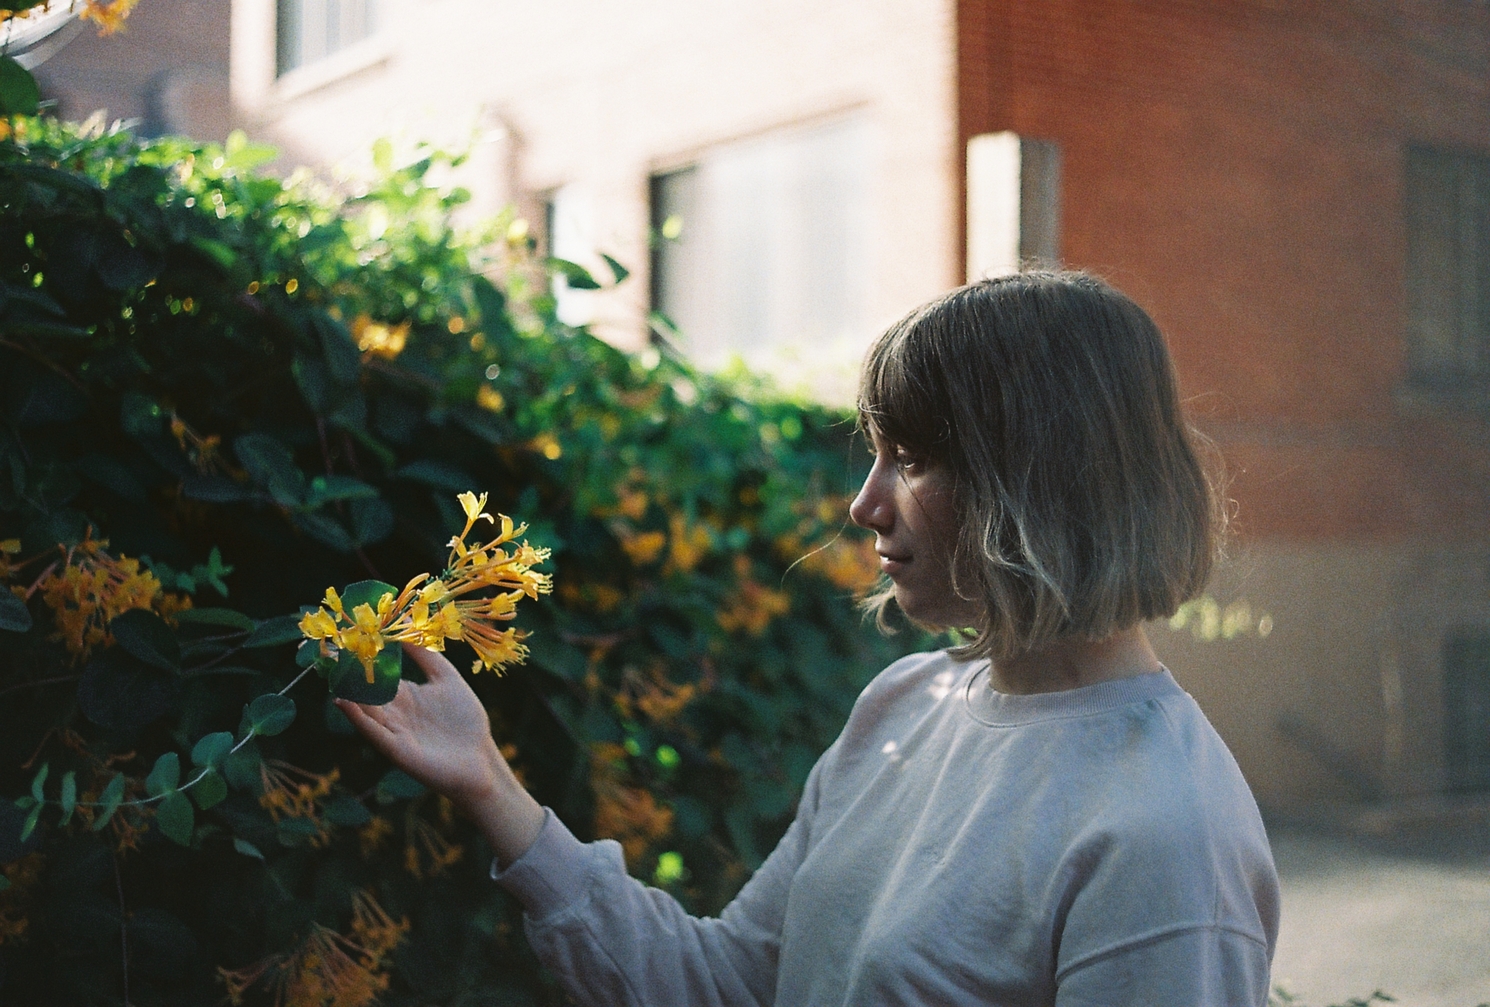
[{"x": 955, "y": 846}]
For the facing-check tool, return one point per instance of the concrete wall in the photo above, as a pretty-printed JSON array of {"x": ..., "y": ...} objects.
[
  {"x": 1238, "y": 168},
  {"x": 602, "y": 94}
]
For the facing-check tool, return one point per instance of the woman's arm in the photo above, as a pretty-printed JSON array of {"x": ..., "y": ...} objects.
[
  {"x": 609, "y": 939},
  {"x": 440, "y": 735}
]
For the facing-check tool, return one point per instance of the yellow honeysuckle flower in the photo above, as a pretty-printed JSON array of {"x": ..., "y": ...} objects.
[
  {"x": 318, "y": 625},
  {"x": 474, "y": 506},
  {"x": 429, "y": 611}
]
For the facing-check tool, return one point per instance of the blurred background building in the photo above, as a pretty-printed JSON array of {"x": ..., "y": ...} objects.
[{"x": 1298, "y": 191}]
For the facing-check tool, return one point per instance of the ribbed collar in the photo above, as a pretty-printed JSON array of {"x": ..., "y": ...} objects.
[{"x": 999, "y": 709}]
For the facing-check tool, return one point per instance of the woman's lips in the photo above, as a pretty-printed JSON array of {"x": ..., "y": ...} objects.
[{"x": 891, "y": 565}]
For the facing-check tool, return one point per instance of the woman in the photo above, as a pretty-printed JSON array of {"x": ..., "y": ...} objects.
[{"x": 1039, "y": 816}]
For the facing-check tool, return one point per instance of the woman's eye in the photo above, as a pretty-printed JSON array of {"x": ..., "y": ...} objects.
[{"x": 906, "y": 460}]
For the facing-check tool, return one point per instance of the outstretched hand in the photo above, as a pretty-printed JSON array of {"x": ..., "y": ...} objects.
[
  {"x": 440, "y": 735},
  {"x": 438, "y": 732}
]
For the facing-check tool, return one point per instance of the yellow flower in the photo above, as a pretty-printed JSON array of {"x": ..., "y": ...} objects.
[
  {"x": 490, "y": 399},
  {"x": 109, "y": 15},
  {"x": 645, "y": 547},
  {"x": 318, "y": 625},
  {"x": 378, "y": 339},
  {"x": 474, "y": 506}
]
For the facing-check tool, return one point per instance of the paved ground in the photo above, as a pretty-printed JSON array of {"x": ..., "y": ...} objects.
[{"x": 1409, "y": 916}]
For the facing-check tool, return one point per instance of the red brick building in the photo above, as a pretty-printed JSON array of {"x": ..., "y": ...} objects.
[{"x": 1299, "y": 193}]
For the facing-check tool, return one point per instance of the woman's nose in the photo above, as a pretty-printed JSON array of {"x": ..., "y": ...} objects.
[{"x": 871, "y": 508}]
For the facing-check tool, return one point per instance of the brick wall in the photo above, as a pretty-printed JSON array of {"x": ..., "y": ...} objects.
[{"x": 1238, "y": 168}]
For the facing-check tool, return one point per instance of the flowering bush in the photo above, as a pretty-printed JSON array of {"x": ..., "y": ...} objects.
[{"x": 222, "y": 392}]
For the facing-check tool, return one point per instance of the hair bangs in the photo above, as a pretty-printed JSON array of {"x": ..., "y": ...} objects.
[{"x": 901, "y": 397}]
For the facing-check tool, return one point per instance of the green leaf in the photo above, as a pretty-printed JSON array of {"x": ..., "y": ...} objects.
[
  {"x": 347, "y": 812},
  {"x": 19, "y": 93},
  {"x": 14, "y": 615},
  {"x": 211, "y": 750},
  {"x": 227, "y": 618},
  {"x": 372, "y": 521},
  {"x": 274, "y": 632},
  {"x": 39, "y": 780},
  {"x": 325, "y": 530},
  {"x": 438, "y": 475},
  {"x": 617, "y": 270},
  {"x": 176, "y": 817},
  {"x": 272, "y": 467},
  {"x": 120, "y": 692},
  {"x": 69, "y": 795},
  {"x": 164, "y": 776},
  {"x": 269, "y": 714},
  {"x": 575, "y": 275},
  {"x": 211, "y": 789},
  {"x": 113, "y": 793},
  {"x": 145, "y": 635},
  {"x": 241, "y": 768},
  {"x": 246, "y": 848},
  {"x": 349, "y": 679},
  {"x": 4, "y": 883},
  {"x": 366, "y": 592},
  {"x": 30, "y": 824},
  {"x": 396, "y": 785},
  {"x": 325, "y": 489},
  {"x": 25, "y": 802}
]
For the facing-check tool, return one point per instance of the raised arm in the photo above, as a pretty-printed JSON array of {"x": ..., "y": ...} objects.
[{"x": 440, "y": 735}]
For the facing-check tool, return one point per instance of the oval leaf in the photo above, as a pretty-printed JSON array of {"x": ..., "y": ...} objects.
[
  {"x": 31, "y": 821},
  {"x": 69, "y": 795},
  {"x": 120, "y": 692},
  {"x": 348, "y": 812},
  {"x": 209, "y": 790},
  {"x": 109, "y": 802},
  {"x": 176, "y": 817},
  {"x": 145, "y": 635},
  {"x": 349, "y": 679},
  {"x": 270, "y": 715},
  {"x": 164, "y": 776},
  {"x": 211, "y": 750},
  {"x": 248, "y": 849},
  {"x": 227, "y": 618},
  {"x": 273, "y": 632},
  {"x": 396, "y": 785},
  {"x": 39, "y": 780}
]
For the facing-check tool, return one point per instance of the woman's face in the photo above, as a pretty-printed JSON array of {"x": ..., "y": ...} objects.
[{"x": 908, "y": 503}]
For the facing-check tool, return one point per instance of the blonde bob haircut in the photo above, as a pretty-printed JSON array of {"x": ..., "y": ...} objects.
[{"x": 1083, "y": 508}]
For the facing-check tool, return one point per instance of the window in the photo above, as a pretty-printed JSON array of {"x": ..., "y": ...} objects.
[
  {"x": 310, "y": 30},
  {"x": 1448, "y": 270},
  {"x": 1013, "y": 204},
  {"x": 760, "y": 250},
  {"x": 569, "y": 233},
  {"x": 1466, "y": 697}
]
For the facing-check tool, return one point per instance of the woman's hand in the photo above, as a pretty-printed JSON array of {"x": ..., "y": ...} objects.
[{"x": 440, "y": 735}]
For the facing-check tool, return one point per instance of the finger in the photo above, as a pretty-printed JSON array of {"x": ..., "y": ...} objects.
[
  {"x": 367, "y": 722},
  {"x": 434, "y": 664}
]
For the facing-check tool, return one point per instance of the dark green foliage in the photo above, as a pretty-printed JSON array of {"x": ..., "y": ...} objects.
[{"x": 200, "y": 366}]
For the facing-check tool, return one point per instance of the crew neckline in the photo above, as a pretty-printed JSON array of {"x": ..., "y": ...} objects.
[{"x": 1001, "y": 709}]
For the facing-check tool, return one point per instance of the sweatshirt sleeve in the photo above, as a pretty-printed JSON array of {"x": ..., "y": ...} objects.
[{"x": 612, "y": 940}]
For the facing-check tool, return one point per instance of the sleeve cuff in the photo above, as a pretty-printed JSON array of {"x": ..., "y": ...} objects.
[{"x": 552, "y": 875}]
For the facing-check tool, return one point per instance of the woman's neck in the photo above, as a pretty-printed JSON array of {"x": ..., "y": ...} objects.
[{"x": 1071, "y": 664}]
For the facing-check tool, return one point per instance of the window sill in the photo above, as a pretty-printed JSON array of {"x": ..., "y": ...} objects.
[{"x": 367, "y": 54}]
